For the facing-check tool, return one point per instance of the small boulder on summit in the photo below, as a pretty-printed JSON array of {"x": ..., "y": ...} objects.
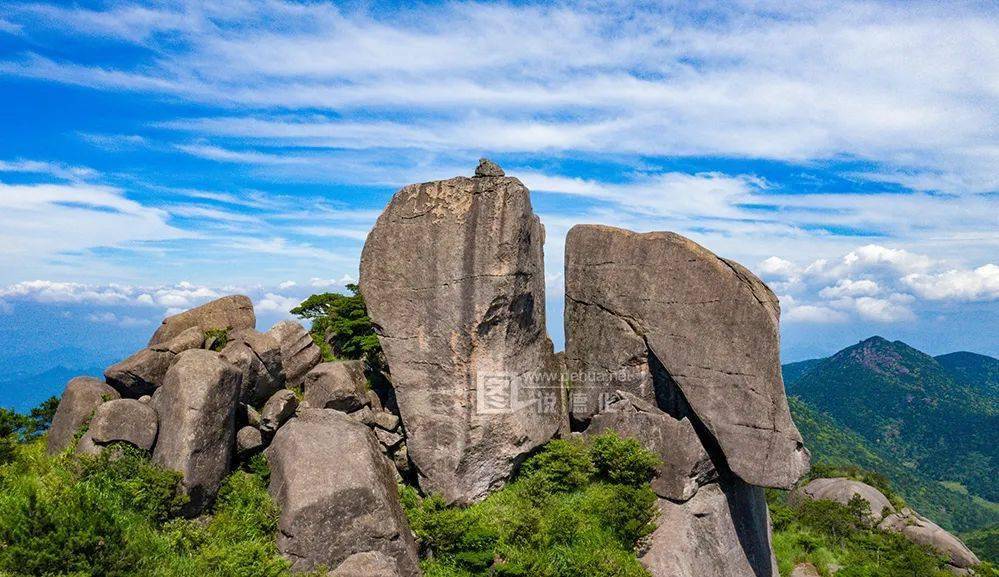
[
  {"x": 299, "y": 353},
  {"x": 337, "y": 495},
  {"x": 488, "y": 169},
  {"x": 258, "y": 357},
  {"x": 121, "y": 421},
  {"x": 234, "y": 313},
  {"x": 339, "y": 385},
  {"x": 141, "y": 373},
  {"x": 79, "y": 401},
  {"x": 197, "y": 409}
]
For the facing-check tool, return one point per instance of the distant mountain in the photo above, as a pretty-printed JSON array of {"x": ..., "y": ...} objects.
[
  {"x": 979, "y": 372},
  {"x": 22, "y": 393},
  {"x": 891, "y": 408},
  {"x": 794, "y": 371}
]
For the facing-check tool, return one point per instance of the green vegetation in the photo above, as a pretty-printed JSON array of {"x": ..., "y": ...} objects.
[
  {"x": 984, "y": 542},
  {"x": 568, "y": 514},
  {"x": 829, "y": 535},
  {"x": 911, "y": 408},
  {"x": 118, "y": 517},
  {"x": 833, "y": 446},
  {"x": 216, "y": 339},
  {"x": 341, "y": 326},
  {"x": 16, "y": 428}
]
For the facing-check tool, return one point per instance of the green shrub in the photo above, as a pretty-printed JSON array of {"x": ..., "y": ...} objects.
[
  {"x": 623, "y": 460},
  {"x": 341, "y": 326},
  {"x": 116, "y": 515},
  {"x": 555, "y": 520},
  {"x": 216, "y": 339},
  {"x": 563, "y": 465}
]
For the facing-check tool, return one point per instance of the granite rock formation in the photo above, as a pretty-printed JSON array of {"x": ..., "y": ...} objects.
[
  {"x": 453, "y": 277},
  {"x": 337, "y": 494},
  {"x": 661, "y": 317}
]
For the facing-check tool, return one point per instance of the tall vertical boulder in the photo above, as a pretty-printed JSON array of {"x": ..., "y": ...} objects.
[
  {"x": 723, "y": 531},
  {"x": 664, "y": 318},
  {"x": 337, "y": 495},
  {"x": 79, "y": 400},
  {"x": 197, "y": 423},
  {"x": 233, "y": 312},
  {"x": 453, "y": 277}
]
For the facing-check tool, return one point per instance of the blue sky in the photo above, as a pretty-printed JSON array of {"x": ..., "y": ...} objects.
[{"x": 156, "y": 155}]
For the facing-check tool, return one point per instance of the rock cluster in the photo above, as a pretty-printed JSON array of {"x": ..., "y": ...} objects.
[
  {"x": 665, "y": 342},
  {"x": 907, "y": 522},
  {"x": 201, "y": 413}
]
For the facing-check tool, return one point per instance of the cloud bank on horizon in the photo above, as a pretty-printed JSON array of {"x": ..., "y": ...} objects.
[{"x": 157, "y": 155}]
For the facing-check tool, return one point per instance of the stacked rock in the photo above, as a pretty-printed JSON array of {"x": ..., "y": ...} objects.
[{"x": 202, "y": 413}]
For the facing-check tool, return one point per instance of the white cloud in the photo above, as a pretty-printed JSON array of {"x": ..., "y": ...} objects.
[
  {"x": 981, "y": 283},
  {"x": 793, "y": 311},
  {"x": 287, "y": 284},
  {"x": 864, "y": 80},
  {"x": 67, "y": 292},
  {"x": 851, "y": 288},
  {"x": 777, "y": 267},
  {"x": 272, "y": 302},
  {"x": 888, "y": 310}
]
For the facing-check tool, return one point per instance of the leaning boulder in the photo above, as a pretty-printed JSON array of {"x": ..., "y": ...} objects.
[
  {"x": 453, "y": 277},
  {"x": 339, "y": 385},
  {"x": 197, "y": 411},
  {"x": 79, "y": 401},
  {"x": 842, "y": 490},
  {"x": 121, "y": 421},
  {"x": 662, "y": 317},
  {"x": 234, "y": 313},
  {"x": 684, "y": 462},
  {"x": 922, "y": 531},
  {"x": 337, "y": 494},
  {"x": 723, "y": 531},
  {"x": 258, "y": 357},
  {"x": 141, "y": 373},
  {"x": 299, "y": 353}
]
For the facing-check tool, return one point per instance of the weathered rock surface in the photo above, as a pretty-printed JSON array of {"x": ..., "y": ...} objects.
[
  {"x": 79, "y": 401},
  {"x": 922, "y": 531},
  {"x": 197, "y": 409},
  {"x": 453, "y": 277},
  {"x": 277, "y": 410},
  {"x": 141, "y": 373},
  {"x": 337, "y": 494},
  {"x": 723, "y": 531},
  {"x": 685, "y": 462},
  {"x": 299, "y": 353},
  {"x": 258, "y": 357},
  {"x": 650, "y": 313},
  {"x": 805, "y": 570},
  {"x": 339, "y": 385},
  {"x": 367, "y": 564},
  {"x": 841, "y": 490},
  {"x": 249, "y": 442},
  {"x": 123, "y": 421},
  {"x": 232, "y": 312}
]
